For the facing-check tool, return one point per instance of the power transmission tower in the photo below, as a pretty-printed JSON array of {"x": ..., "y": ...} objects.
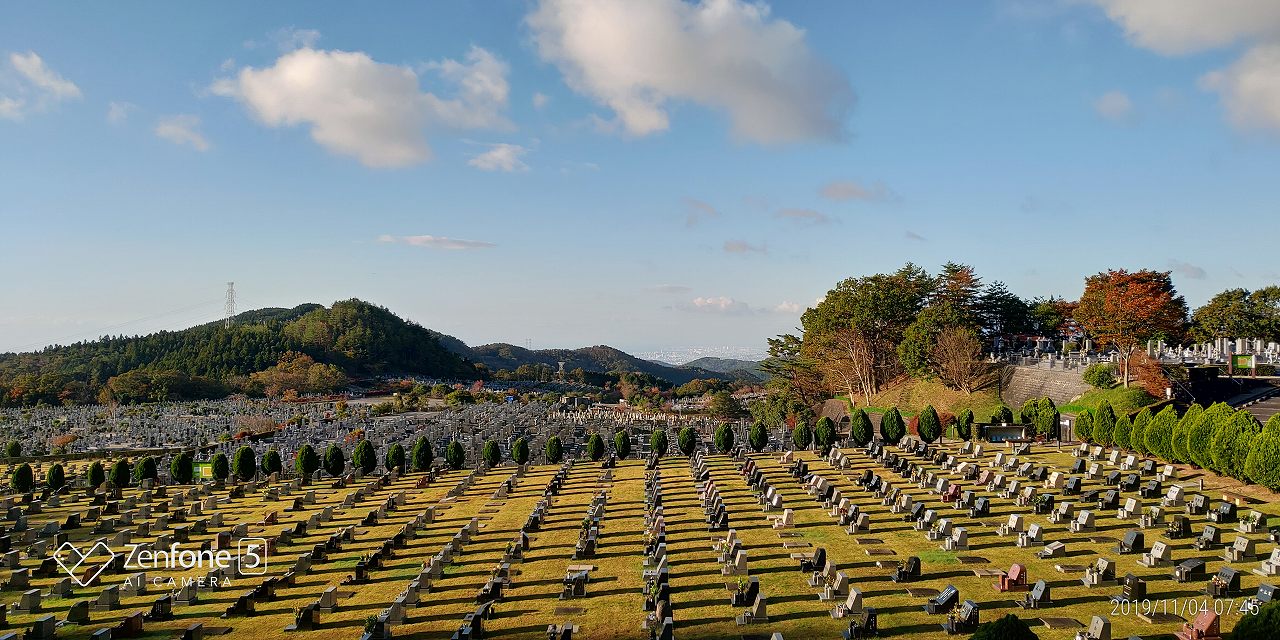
[{"x": 231, "y": 305}]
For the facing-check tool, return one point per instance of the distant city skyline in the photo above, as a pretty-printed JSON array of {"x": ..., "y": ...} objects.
[{"x": 639, "y": 174}]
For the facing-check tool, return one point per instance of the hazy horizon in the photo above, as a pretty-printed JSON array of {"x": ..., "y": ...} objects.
[{"x": 528, "y": 171}]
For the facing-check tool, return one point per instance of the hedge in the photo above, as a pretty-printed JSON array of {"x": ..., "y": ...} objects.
[
  {"x": 1104, "y": 424},
  {"x": 1120, "y": 434},
  {"x": 1200, "y": 435},
  {"x": 1158, "y": 435},
  {"x": 1182, "y": 430},
  {"x": 1263, "y": 463},
  {"x": 1138, "y": 437}
]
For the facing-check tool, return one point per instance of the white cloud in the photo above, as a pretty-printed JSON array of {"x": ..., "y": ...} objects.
[
  {"x": 804, "y": 216},
  {"x": 789, "y": 307},
  {"x": 1114, "y": 106},
  {"x": 500, "y": 157},
  {"x": 698, "y": 211},
  {"x": 373, "y": 111},
  {"x": 182, "y": 129},
  {"x": 636, "y": 58},
  {"x": 1250, "y": 88},
  {"x": 541, "y": 100},
  {"x": 1187, "y": 270},
  {"x": 118, "y": 112},
  {"x": 290, "y": 38},
  {"x": 1186, "y": 26},
  {"x": 844, "y": 190},
  {"x": 437, "y": 242},
  {"x": 36, "y": 87},
  {"x": 742, "y": 246},
  {"x": 721, "y": 304}
]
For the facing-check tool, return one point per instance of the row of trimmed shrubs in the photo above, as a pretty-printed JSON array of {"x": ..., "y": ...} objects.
[{"x": 1226, "y": 441}]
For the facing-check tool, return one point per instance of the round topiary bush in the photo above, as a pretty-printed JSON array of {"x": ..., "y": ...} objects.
[
  {"x": 1047, "y": 419},
  {"x": 1182, "y": 432},
  {"x": 1158, "y": 435},
  {"x": 271, "y": 462},
  {"x": 928, "y": 425},
  {"x": 1138, "y": 433},
  {"x": 758, "y": 437},
  {"x": 146, "y": 469},
  {"x": 1121, "y": 432},
  {"x": 1104, "y": 424},
  {"x": 56, "y": 477},
  {"x": 335, "y": 462},
  {"x": 860, "y": 428},
  {"x": 801, "y": 436},
  {"x": 1002, "y": 415},
  {"x": 964, "y": 425},
  {"x": 724, "y": 438},
  {"x": 122, "y": 471},
  {"x": 658, "y": 442},
  {"x": 307, "y": 462},
  {"x": 520, "y": 451},
  {"x": 97, "y": 475},
  {"x": 364, "y": 457},
  {"x": 892, "y": 427},
  {"x": 824, "y": 434},
  {"x": 622, "y": 443},
  {"x": 454, "y": 455},
  {"x": 421, "y": 455},
  {"x": 687, "y": 440},
  {"x": 23, "y": 478},
  {"x": 1100, "y": 375},
  {"x": 491, "y": 454},
  {"x": 395, "y": 457},
  {"x": 1084, "y": 426},
  {"x": 595, "y": 447},
  {"x": 554, "y": 450},
  {"x": 246, "y": 463}
]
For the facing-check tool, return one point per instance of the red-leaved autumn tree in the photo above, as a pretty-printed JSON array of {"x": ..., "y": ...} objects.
[{"x": 1125, "y": 309}]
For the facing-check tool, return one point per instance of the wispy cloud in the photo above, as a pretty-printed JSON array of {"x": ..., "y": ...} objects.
[
  {"x": 1186, "y": 270},
  {"x": 183, "y": 129},
  {"x": 670, "y": 288},
  {"x": 118, "y": 112},
  {"x": 911, "y": 235},
  {"x": 742, "y": 246},
  {"x": 541, "y": 100},
  {"x": 721, "y": 304},
  {"x": 437, "y": 242},
  {"x": 789, "y": 307},
  {"x": 501, "y": 157},
  {"x": 697, "y": 211},
  {"x": 1114, "y": 106},
  {"x": 37, "y": 87},
  {"x": 809, "y": 216},
  {"x": 846, "y": 190}
]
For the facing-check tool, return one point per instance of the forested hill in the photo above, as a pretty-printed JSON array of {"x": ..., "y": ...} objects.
[
  {"x": 356, "y": 337},
  {"x": 598, "y": 359}
]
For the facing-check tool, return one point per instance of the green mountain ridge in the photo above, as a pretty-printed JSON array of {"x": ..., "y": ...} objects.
[{"x": 360, "y": 338}]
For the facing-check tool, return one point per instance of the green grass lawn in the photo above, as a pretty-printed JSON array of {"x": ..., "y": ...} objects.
[
  {"x": 1122, "y": 400},
  {"x": 700, "y": 600}
]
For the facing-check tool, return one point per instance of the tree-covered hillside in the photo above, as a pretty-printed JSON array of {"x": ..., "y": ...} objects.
[{"x": 358, "y": 338}]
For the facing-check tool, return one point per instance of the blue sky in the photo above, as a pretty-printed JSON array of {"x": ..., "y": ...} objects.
[{"x": 646, "y": 175}]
